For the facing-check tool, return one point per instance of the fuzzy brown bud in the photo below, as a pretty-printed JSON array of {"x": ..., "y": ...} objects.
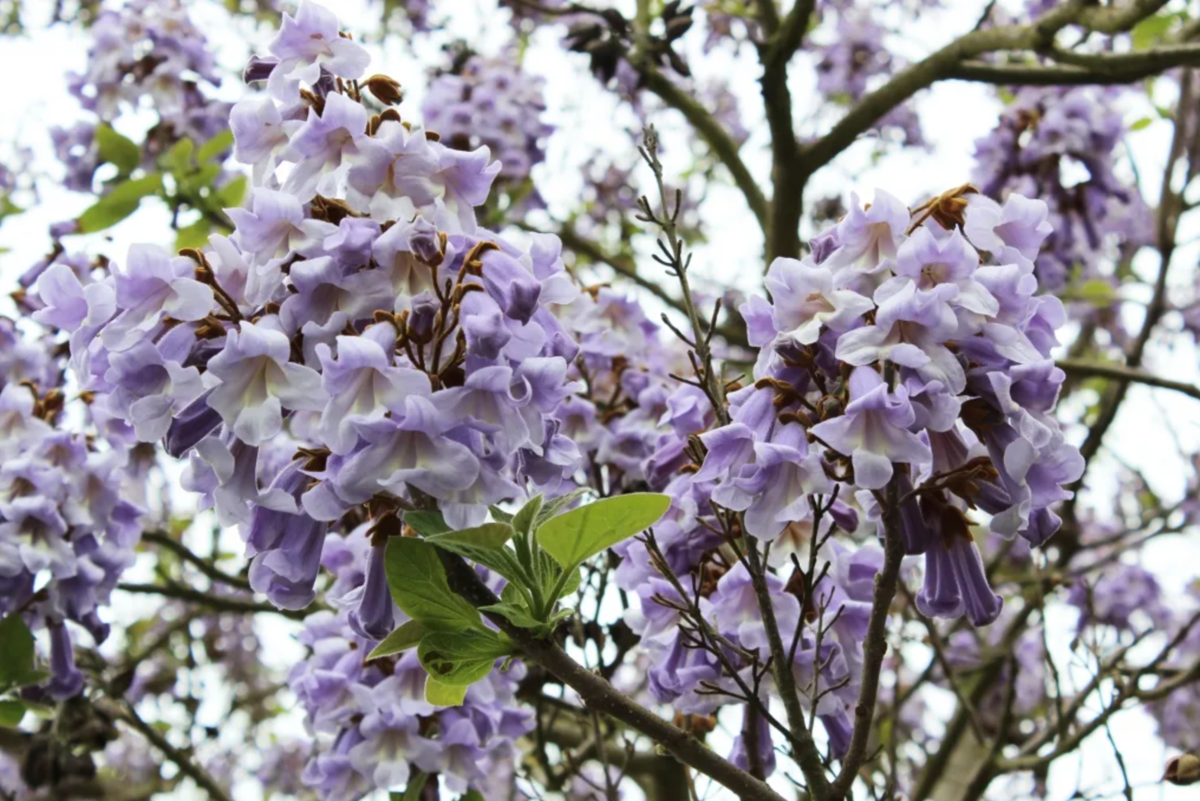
[{"x": 386, "y": 90}]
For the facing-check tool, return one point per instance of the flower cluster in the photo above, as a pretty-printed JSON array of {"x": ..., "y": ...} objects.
[
  {"x": 146, "y": 49},
  {"x": 492, "y": 102},
  {"x": 68, "y": 520},
  {"x": 358, "y": 345},
  {"x": 914, "y": 349},
  {"x": 1061, "y": 145}
]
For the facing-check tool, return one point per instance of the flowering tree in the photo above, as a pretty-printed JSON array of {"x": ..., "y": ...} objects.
[{"x": 374, "y": 472}]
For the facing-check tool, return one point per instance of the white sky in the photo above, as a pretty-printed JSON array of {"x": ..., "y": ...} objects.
[{"x": 953, "y": 115}]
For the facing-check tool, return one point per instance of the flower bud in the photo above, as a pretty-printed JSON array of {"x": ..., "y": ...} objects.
[
  {"x": 386, "y": 90},
  {"x": 1183, "y": 770}
]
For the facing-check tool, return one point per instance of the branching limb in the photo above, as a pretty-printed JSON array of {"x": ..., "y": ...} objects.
[
  {"x": 217, "y": 603},
  {"x": 1125, "y": 373},
  {"x": 875, "y": 643},
  {"x": 958, "y": 60},
  {"x": 179, "y": 549},
  {"x": 199, "y": 775}
]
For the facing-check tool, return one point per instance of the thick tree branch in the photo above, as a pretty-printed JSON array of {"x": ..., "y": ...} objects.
[
  {"x": 598, "y": 694},
  {"x": 1111, "y": 69},
  {"x": 1036, "y": 37},
  {"x": 787, "y": 202}
]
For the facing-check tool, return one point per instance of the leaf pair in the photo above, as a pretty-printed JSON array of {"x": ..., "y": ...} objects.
[{"x": 452, "y": 642}]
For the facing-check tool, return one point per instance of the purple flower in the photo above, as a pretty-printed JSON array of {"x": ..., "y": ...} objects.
[
  {"x": 152, "y": 286},
  {"x": 321, "y": 141},
  {"x": 307, "y": 43},
  {"x": 363, "y": 385},
  {"x": 257, "y": 381},
  {"x": 874, "y": 430}
]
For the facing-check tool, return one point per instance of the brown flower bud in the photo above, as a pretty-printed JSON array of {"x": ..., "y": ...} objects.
[
  {"x": 1183, "y": 770},
  {"x": 386, "y": 90}
]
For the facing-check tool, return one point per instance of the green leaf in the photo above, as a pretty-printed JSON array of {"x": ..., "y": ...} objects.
[
  {"x": 473, "y": 795},
  {"x": 117, "y": 150},
  {"x": 489, "y": 535},
  {"x": 461, "y": 658},
  {"x": 194, "y": 235},
  {"x": 500, "y": 560},
  {"x": 1141, "y": 124},
  {"x": 1098, "y": 292},
  {"x": 427, "y": 524},
  {"x": 178, "y": 160},
  {"x": 440, "y": 694},
  {"x": 524, "y": 520},
  {"x": 582, "y": 533},
  {"x": 197, "y": 180},
  {"x": 419, "y": 587},
  {"x": 118, "y": 204},
  {"x": 516, "y": 614},
  {"x": 500, "y": 515},
  {"x": 11, "y": 713},
  {"x": 1149, "y": 31},
  {"x": 556, "y": 506},
  {"x": 403, "y": 638},
  {"x": 16, "y": 652},
  {"x": 215, "y": 146},
  {"x": 232, "y": 194}
]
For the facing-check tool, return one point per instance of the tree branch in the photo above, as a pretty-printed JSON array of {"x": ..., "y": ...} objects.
[
  {"x": 1121, "y": 372},
  {"x": 1036, "y": 37},
  {"x": 127, "y": 713},
  {"x": 179, "y": 549},
  {"x": 875, "y": 642},
  {"x": 218, "y": 603},
  {"x": 624, "y": 266},
  {"x": 787, "y": 202}
]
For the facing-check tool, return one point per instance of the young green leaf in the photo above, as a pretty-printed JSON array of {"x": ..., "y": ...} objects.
[
  {"x": 16, "y": 652},
  {"x": 118, "y": 204},
  {"x": 489, "y": 535},
  {"x": 500, "y": 515},
  {"x": 581, "y": 533},
  {"x": 11, "y": 713},
  {"x": 440, "y": 694},
  {"x": 419, "y": 587},
  {"x": 194, "y": 235},
  {"x": 501, "y": 560},
  {"x": 118, "y": 150},
  {"x": 233, "y": 193},
  {"x": 462, "y": 657},
  {"x": 178, "y": 160},
  {"x": 516, "y": 614},
  {"x": 404, "y": 637},
  {"x": 523, "y": 521},
  {"x": 427, "y": 524},
  {"x": 215, "y": 146},
  {"x": 555, "y": 507}
]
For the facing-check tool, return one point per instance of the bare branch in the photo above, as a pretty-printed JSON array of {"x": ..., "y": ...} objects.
[{"x": 713, "y": 133}]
